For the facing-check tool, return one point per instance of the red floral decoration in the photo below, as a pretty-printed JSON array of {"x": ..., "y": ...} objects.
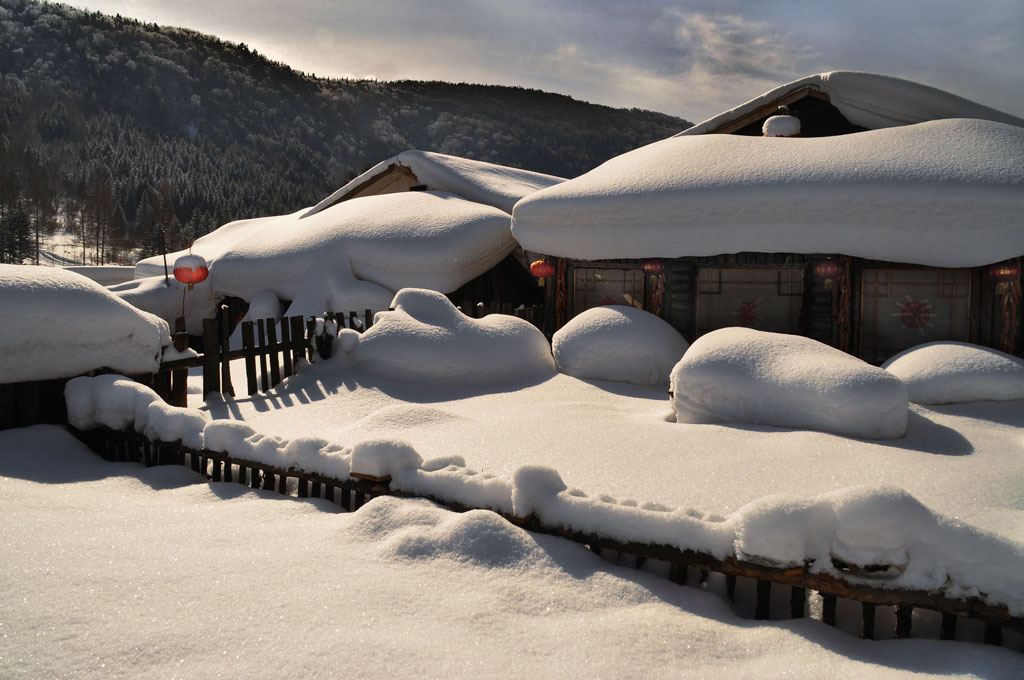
[{"x": 542, "y": 269}]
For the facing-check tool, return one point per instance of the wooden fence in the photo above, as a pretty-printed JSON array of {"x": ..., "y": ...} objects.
[
  {"x": 269, "y": 359},
  {"x": 686, "y": 566}
]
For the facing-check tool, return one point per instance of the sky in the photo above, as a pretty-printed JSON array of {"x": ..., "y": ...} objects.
[{"x": 691, "y": 59}]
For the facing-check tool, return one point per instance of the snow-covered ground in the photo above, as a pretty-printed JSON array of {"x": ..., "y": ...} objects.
[{"x": 117, "y": 571}]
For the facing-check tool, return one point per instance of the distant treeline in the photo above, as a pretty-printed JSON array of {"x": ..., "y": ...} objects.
[{"x": 117, "y": 129}]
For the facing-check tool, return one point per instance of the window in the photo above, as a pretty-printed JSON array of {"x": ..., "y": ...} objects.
[
  {"x": 901, "y": 308},
  {"x": 765, "y": 299},
  {"x": 593, "y": 287}
]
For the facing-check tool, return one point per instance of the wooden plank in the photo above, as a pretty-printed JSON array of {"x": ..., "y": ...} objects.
[
  {"x": 368, "y": 319},
  {"x": 298, "y": 340},
  {"x": 311, "y": 338},
  {"x": 797, "y": 602},
  {"x": 261, "y": 343},
  {"x": 249, "y": 346},
  {"x": 225, "y": 348},
  {"x": 867, "y": 626},
  {"x": 272, "y": 347},
  {"x": 904, "y": 618},
  {"x": 763, "y": 600},
  {"x": 286, "y": 347},
  {"x": 828, "y": 609},
  {"x": 948, "y": 631},
  {"x": 211, "y": 358}
]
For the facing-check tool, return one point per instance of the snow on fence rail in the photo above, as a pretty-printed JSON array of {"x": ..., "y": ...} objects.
[{"x": 351, "y": 493}]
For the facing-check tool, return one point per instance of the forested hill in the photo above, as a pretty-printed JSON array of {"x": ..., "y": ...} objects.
[{"x": 118, "y": 129}]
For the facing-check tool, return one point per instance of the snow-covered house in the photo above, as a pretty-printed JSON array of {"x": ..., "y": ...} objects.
[
  {"x": 897, "y": 219},
  {"x": 422, "y": 220}
]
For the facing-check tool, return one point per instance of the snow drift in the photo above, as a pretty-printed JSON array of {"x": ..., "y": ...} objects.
[
  {"x": 954, "y": 372},
  {"x": 740, "y": 375},
  {"x": 618, "y": 343},
  {"x": 428, "y": 338},
  {"x": 900, "y": 194},
  {"x": 58, "y": 324}
]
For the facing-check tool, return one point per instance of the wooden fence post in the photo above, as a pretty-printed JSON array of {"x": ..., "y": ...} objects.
[
  {"x": 298, "y": 348},
  {"x": 368, "y": 317},
  {"x": 248, "y": 344},
  {"x": 261, "y": 339},
  {"x": 211, "y": 358},
  {"x": 179, "y": 378},
  {"x": 286, "y": 349},
  {"x": 225, "y": 353},
  {"x": 275, "y": 368}
]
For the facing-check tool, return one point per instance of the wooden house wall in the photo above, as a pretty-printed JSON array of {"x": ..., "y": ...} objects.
[{"x": 830, "y": 309}]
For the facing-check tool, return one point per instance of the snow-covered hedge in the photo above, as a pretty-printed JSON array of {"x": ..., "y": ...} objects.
[
  {"x": 618, "y": 343},
  {"x": 954, "y": 372},
  {"x": 740, "y": 375},
  {"x": 58, "y": 324}
]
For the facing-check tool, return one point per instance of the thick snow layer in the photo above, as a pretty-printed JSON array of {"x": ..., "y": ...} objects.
[
  {"x": 164, "y": 298},
  {"x": 956, "y": 372},
  {"x": 119, "y": 403},
  {"x": 869, "y": 100},
  {"x": 947, "y": 193},
  {"x": 427, "y": 338},
  {"x": 135, "y": 571},
  {"x": 861, "y": 526},
  {"x": 618, "y": 343},
  {"x": 498, "y": 186},
  {"x": 415, "y": 239},
  {"x": 741, "y": 375},
  {"x": 58, "y": 324},
  {"x": 105, "y": 275}
]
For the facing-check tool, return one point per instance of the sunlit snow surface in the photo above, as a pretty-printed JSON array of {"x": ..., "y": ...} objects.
[{"x": 112, "y": 570}]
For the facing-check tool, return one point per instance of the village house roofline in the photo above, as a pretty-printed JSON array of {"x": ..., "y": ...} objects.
[
  {"x": 498, "y": 186},
  {"x": 868, "y": 100}
]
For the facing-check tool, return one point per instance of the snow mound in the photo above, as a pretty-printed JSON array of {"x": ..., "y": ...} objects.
[
  {"x": 58, "y": 324},
  {"x": 900, "y": 194},
  {"x": 427, "y": 338},
  {"x": 740, "y": 375},
  {"x": 618, "y": 343},
  {"x": 955, "y": 372},
  {"x": 163, "y": 297}
]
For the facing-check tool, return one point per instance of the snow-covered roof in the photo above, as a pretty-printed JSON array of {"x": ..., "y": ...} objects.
[
  {"x": 418, "y": 239},
  {"x": 498, "y": 186},
  {"x": 943, "y": 193},
  {"x": 58, "y": 324},
  {"x": 869, "y": 100}
]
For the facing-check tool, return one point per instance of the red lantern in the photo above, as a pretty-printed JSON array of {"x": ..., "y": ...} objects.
[
  {"x": 542, "y": 269},
  {"x": 191, "y": 269},
  {"x": 652, "y": 267},
  {"x": 1004, "y": 271},
  {"x": 828, "y": 269}
]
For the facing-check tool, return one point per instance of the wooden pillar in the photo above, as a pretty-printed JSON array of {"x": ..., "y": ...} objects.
[
  {"x": 211, "y": 357},
  {"x": 179, "y": 378},
  {"x": 225, "y": 356}
]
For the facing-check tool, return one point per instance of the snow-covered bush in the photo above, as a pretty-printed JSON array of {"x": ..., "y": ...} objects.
[
  {"x": 426, "y": 337},
  {"x": 954, "y": 372},
  {"x": 740, "y": 375},
  {"x": 58, "y": 324},
  {"x": 618, "y": 343}
]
